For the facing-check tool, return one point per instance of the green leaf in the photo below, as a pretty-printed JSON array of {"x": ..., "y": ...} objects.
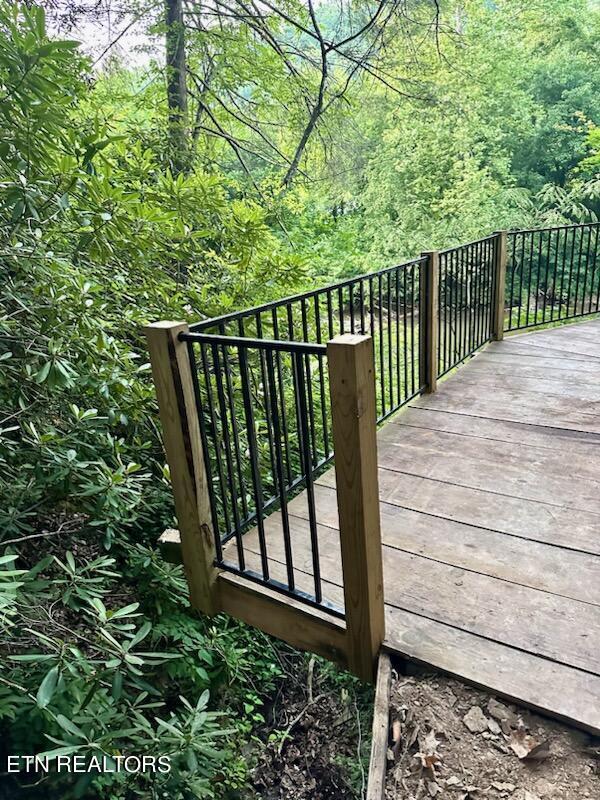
[
  {"x": 117, "y": 685},
  {"x": 70, "y": 727},
  {"x": 47, "y": 687},
  {"x": 60, "y": 751}
]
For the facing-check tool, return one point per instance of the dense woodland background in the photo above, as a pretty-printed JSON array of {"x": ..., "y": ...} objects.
[{"x": 286, "y": 145}]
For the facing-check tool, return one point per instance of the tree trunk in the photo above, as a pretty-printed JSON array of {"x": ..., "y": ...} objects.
[{"x": 176, "y": 85}]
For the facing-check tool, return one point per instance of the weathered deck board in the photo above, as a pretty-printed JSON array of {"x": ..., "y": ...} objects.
[{"x": 490, "y": 521}]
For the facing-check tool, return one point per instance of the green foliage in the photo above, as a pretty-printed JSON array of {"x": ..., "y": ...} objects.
[{"x": 495, "y": 124}]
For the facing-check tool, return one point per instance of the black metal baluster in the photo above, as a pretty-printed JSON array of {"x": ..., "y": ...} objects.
[
  {"x": 311, "y": 407},
  {"x": 280, "y": 384},
  {"x": 267, "y": 401},
  {"x": 362, "y": 305},
  {"x": 529, "y": 276},
  {"x": 562, "y": 279},
  {"x": 571, "y": 265},
  {"x": 324, "y": 419},
  {"x": 456, "y": 312},
  {"x": 546, "y": 271},
  {"x": 577, "y": 280},
  {"x": 290, "y": 321},
  {"x": 305, "y": 457},
  {"x": 285, "y": 521},
  {"x": 441, "y": 322},
  {"x": 481, "y": 273},
  {"x": 597, "y": 230},
  {"x": 236, "y": 446},
  {"x": 389, "y": 343},
  {"x": 206, "y": 450},
  {"x": 412, "y": 333},
  {"x": 216, "y": 443},
  {"x": 587, "y": 272},
  {"x": 475, "y": 283},
  {"x": 254, "y": 460},
  {"x": 537, "y": 286},
  {"x": 512, "y": 278},
  {"x": 228, "y": 458},
  {"x": 463, "y": 299},
  {"x": 381, "y": 353},
  {"x": 492, "y": 245},
  {"x": 555, "y": 275},
  {"x": 521, "y": 278},
  {"x": 371, "y": 311},
  {"x": 398, "y": 356},
  {"x": 447, "y": 309}
]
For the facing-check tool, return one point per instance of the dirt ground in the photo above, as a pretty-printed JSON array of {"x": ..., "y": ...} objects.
[
  {"x": 317, "y": 738},
  {"x": 452, "y": 742}
]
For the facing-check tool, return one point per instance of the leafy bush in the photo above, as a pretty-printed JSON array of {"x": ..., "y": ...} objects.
[{"x": 101, "y": 653}]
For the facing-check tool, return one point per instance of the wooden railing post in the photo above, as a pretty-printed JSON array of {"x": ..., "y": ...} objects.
[
  {"x": 499, "y": 287},
  {"x": 428, "y": 322},
  {"x": 352, "y": 389},
  {"x": 172, "y": 375}
]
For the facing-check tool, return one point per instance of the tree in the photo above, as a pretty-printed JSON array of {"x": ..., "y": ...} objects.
[{"x": 176, "y": 77}]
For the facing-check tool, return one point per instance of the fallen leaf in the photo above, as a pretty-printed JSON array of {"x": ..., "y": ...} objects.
[
  {"x": 528, "y": 748},
  {"x": 428, "y": 754}
]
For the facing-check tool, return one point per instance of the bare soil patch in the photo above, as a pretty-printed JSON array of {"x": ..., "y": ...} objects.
[
  {"x": 452, "y": 742},
  {"x": 317, "y": 738}
]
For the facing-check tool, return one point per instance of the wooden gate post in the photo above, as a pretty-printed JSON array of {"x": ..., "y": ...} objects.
[
  {"x": 352, "y": 388},
  {"x": 499, "y": 287},
  {"x": 172, "y": 375},
  {"x": 428, "y": 322}
]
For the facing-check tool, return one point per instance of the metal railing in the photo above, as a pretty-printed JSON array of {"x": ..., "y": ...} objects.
[
  {"x": 264, "y": 423},
  {"x": 384, "y": 304},
  {"x": 552, "y": 275},
  {"x": 261, "y": 380},
  {"x": 262, "y": 393},
  {"x": 466, "y": 285}
]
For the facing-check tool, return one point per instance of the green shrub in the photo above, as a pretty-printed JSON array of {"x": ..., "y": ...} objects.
[{"x": 100, "y": 650}]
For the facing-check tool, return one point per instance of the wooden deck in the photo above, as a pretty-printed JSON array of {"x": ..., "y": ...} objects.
[{"x": 490, "y": 514}]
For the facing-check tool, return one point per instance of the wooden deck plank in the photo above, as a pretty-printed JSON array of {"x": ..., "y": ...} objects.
[
  {"x": 519, "y": 434},
  {"x": 563, "y": 692},
  {"x": 584, "y": 464},
  {"x": 542, "y": 522},
  {"x": 491, "y": 365},
  {"x": 513, "y": 405},
  {"x": 530, "y": 358},
  {"x": 505, "y": 477},
  {"x": 549, "y": 387},
  {"x": 566, "y": 340},
  {"x": 517, "y": 346}
]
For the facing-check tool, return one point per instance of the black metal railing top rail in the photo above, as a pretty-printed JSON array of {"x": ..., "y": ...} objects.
[
  {"x": 384, "y": 304},
  {"x": 262, "y": 382}
]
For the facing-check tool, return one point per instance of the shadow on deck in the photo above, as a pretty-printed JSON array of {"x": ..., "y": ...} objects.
[{"x": 490, "y": 524}]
